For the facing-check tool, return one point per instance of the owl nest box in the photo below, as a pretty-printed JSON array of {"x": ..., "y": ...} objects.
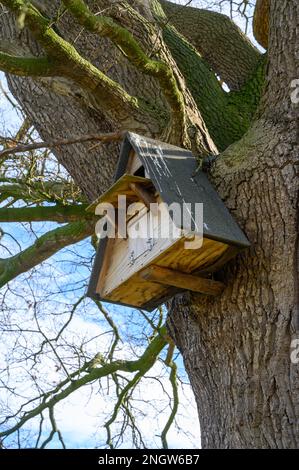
[{"x": 168, "y": 228}]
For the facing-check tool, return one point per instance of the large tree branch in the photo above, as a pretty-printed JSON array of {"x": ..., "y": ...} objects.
[
  {"x": 44, "y": 247},
  {"x": 173, "y": 380},
  {"x": 27, "y": 66},
  {"x": 112, "y": 98},
  {"x": 121, "y": 37},
  {"x": 57, "y": 213},
  {"x": 37, "y": 191},
  {"x": 218, "y": 39},
  {"x": 121, "y": 398},
  {"x": 231, "y": 114},
  {"x": 261, "y": 22}
]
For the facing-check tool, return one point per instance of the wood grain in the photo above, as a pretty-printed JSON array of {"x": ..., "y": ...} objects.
[{"x": 181, "y": 280}]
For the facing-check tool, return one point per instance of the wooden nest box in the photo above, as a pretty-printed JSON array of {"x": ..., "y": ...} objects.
[{"x": 145, "y": 266}]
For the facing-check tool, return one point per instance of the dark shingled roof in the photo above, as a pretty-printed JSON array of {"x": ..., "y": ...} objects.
[{"x": 174, "y": 172}]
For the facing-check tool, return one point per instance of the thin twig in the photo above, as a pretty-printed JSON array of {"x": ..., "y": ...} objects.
[{"x": 104, "y": 138}]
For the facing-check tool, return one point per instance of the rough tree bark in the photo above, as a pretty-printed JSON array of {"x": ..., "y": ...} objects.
[
  {"x": 236, "y": 348},
  {"x": 218, "y": 40}
]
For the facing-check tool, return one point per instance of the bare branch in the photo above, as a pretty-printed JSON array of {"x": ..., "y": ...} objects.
[
  {"x": 43, "y": 248},
  {"x": 104, "y": 138},
  {"x": 53, "y": 431},
  {"x": 37, "y": 191},
  {"x": 50, "y": 399},
  {"x": 114, "y": 329}
]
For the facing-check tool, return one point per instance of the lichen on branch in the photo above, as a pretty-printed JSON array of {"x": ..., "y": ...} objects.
[
  {"x": 57, "y": 213},
  {"x": 105, "y": 26},
  {"x": 27, "y": 66},
  {"x": 112, "y": 98},
  {"x": 218, "y": 39}
]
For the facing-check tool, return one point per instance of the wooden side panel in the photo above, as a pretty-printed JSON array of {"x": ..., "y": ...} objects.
[
  {"x": 138, "y": 292},
  {"x": 143, "y": 245},
  {"x": 188, "y": 261},
  {"x": 134, "y": 163}
]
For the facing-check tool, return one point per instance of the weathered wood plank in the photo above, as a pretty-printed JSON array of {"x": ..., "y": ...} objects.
[
  {"x": 130, "y": 255},
  {"x": 145, "y": 196},
  {"x": 121, "y": 187},
  {"x": 134, "y": 163},
  {"x": 181, "y": 280},
  {"x": 181, "y": 259},
  {"x": 136, "y": 292}
]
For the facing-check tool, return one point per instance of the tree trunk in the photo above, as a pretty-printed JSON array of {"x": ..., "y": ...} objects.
[{"x": 236, "y": 347}]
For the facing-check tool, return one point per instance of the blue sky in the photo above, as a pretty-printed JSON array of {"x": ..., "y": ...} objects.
[{"x": 54, "y": 287}]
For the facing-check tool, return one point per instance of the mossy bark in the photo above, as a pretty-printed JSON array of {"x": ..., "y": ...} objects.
[
  {"x": 219, "y": 41},
  {"x": 231, "y": 113}
]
